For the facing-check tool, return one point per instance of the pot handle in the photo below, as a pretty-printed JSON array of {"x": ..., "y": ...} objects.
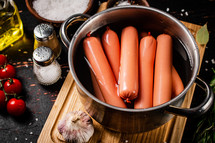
[
  {"x": 200, "y": 109},
  {"x": 68, "y": 22}
]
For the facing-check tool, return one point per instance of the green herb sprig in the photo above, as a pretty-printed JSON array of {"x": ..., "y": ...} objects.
[{"x": 205, "y": 132}]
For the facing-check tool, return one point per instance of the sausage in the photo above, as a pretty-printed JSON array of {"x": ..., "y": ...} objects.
[
  {"x": 96, "y": 87},
  {"x": 104, "y": 75},
  {"x": 146, "y": 69},
  {"x": 163, "y": 70},
  {"x": 177, "y": 84},
  {"x": 128, "y": 78},
  {"x": 111, "y": 47}
]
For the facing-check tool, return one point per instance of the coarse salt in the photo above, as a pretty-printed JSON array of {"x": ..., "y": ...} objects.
[
  {"x": 123, "y": 3},
  {"x": 167, "y": 9},
  {"x": 59, "y": 10},
  {"x": 213, "y": 61}
]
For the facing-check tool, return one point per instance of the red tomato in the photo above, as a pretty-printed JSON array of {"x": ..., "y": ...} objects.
[
  {"x": 3, "y": 60},
  {"x": 16, "y": 107},
  {"x": 7, "y": 72},
  {"x": 2, "y": 100},
  {"x": 12, "y": 86}
]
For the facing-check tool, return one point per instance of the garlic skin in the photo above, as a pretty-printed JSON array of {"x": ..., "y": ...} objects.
[{"x": 76, "y": 127}]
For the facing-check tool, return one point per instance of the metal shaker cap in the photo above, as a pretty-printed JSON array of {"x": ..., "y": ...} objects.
[
  {"x": 43, "y": 32},
  {"x": 43, "y": 56}
]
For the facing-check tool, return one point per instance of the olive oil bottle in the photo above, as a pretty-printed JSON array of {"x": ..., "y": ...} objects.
[{"x": 11, "y": 27}]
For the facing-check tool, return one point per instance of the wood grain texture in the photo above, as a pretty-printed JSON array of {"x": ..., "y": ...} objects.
[{"x": 68, "y": 100}]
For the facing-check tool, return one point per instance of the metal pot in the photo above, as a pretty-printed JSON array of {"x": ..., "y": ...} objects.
[{"x": 185, "y": 59}]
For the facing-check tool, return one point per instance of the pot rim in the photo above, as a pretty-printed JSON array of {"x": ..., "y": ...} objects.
[{"x": 164, "y": 105}]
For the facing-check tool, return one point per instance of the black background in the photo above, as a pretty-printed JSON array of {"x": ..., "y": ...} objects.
[{"x": 39, "y": 99}]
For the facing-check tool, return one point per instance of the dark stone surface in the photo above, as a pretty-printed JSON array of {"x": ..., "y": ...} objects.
[{"x": 40, "y": 99}]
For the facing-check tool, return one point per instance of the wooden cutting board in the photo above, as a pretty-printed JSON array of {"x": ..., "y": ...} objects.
[{"x": 68, "y": 100}]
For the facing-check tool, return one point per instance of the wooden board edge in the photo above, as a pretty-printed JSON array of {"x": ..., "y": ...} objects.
[{"x": 47, "y": 128}]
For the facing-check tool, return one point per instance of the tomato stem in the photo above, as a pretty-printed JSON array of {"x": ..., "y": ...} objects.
[
  {"x": 10, "y": 80},
  {"x": 1, "y": 85},
  {"x": 19, "y": 97},
  {"x": 3, "y": 79}
]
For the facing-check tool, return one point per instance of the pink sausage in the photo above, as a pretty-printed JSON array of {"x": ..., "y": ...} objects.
[
  {"x": 104, "y": 75},
  {"x": 146, "y": 68},
  {"x": 111, "y": 47},
  {"x": 128, "y": 78},
  {"x": 96, "y": 87},
  {"x": 177, "y": 84},
  {"x": 163, "y": 70}
]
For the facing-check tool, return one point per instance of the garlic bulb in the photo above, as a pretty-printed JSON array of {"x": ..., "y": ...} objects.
[{"x": 76, "y": 127}]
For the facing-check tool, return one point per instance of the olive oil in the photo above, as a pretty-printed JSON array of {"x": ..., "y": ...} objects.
[{"x": 11, "y": 27}]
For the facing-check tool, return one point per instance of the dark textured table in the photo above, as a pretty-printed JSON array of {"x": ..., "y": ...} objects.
[{"x": 39, "y": 99}]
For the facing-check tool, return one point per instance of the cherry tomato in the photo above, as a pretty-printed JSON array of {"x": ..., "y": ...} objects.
[
  {"x": 12, "y": 86},
  {"x": 7, "y": 72},
  {"x": 16, "y": 107},
  {"x": 2, "y": 100},
  {"x": 3, "y": 60}
]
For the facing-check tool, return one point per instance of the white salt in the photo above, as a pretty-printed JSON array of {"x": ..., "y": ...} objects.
[
  {"x": 59, "y": 10},
  {"x": 124, "y": 3},
  {"x": 213, "y": 61},
  {"x": 167, "y": 9}
]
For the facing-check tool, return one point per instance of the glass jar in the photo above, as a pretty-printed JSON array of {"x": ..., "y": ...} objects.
[
  {"x": 11, "y": 27},
  {"x": 45, "y": 67},
  {"x": 45, "y": 35}
]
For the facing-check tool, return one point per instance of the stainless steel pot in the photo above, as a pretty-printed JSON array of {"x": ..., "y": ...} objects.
[{"x": 185, "y": 59}]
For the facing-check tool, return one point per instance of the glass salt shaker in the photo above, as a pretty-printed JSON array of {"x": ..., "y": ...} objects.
[
  {"x": 45, "y": 35},
  {"x": 45, "y": 66}
]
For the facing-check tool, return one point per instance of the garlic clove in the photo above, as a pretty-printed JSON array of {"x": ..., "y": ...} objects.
[{"x": 76, "y": 127}]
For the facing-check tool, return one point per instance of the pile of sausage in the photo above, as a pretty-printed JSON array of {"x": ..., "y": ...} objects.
[{"x": 127, "y": 70}]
